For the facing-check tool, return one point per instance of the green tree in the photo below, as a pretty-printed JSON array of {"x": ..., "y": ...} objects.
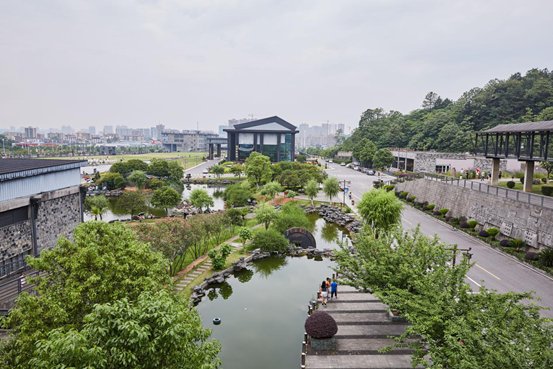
[
  {"x": 199, "y": 198},
  {"x": 364, "y": 151},
  {"x": 112, "y": 181},
  {"x": 133, "y": 202},
  {"x": 104, "y": 263},
  {"x": 258, "y": 168},
  {"x": 265, "y": 213},
  {"x": 245, "y": 234},
  {"x": 126, "y": 167},
  {"x": 119, "y": 335},
  {"x": 311, "y": 190},
  {"x": 237, "y": 195},
  {"x": 237, "y": 170},
  {"x": 290, "y": 215},
  {"x": 331, "y": 187},
  {"x": 166, "y": 198},
  {"x": 234, "y": 217},
  {"x": 548, "y": 166},
  {"x": 97, "y": 205},
  {"x": 382, "y": 159},
  {"x": 301, "y": 158},
  {"x": 271, "y": 189},
  {"x": 269, "y": 240},
  {"x": 138, "y": 178},
  {"x": 218, "y": 170},
  {"x": 380, "y": 209}
]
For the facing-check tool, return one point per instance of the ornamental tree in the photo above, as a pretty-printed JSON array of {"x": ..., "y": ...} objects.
[
  {"x": 271, "y": 189},
  {"x": 258, "y": 168},
  {"x": 200, "y": 199},
  {"x": 165, "y": 198},
  {"x": 311, "y": 190},
  {"x": 265, "y": 213},
  {"x": 331, "y": 187},
  {"x": 218, "y": 170},
  {"x": 380, "y": 209}
]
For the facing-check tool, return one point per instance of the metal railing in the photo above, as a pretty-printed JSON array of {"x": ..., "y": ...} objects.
[
  {"x": 503, "y": 192},
  {"x": 11, "y": 288}
]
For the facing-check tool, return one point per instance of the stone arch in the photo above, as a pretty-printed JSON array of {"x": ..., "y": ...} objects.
[{"x": 301, "y": 237}]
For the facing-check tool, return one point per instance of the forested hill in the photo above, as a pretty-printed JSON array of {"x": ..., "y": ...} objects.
[{"x": 445, "y": 125}]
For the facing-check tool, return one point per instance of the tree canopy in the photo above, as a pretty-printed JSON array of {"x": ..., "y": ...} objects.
[
  {"x": 165, "y": 198},
  {"x": 331, "y": 187},
  {"x": 258, "y": 168},
  {"x": 200, "y": 199},
  {"x": 380, "y": 209}
]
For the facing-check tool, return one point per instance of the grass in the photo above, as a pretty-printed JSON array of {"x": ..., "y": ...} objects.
[{"x": 518, "y": 186}]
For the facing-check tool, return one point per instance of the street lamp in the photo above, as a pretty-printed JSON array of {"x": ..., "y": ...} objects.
[{"x": 345, "y": 190}]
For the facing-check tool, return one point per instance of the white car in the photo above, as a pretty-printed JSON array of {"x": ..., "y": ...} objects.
[
  {"x": 343, "y": 164},
  {"x": 205, "y": 171}
]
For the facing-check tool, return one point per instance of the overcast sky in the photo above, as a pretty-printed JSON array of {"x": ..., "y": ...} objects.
[{"x": 183, "y": 63}]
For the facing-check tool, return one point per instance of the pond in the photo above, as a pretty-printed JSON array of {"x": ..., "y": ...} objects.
[
  {"x": 117, "y": 213},
  {"x": 263, "y": 309}
]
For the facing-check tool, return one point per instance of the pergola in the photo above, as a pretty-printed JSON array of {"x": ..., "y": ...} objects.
[
  {"x": 529, "y": 142},
  {"x": 214, "y": 144}
]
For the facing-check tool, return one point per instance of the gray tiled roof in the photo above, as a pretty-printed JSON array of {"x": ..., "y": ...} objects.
[
  {"x": 18, "y": 168},
  {"x": 522, "y": 127}
]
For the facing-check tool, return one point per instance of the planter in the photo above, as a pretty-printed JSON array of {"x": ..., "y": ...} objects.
[{"x": 323, "y": 344}]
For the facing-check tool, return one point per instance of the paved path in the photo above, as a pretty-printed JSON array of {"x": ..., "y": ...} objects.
[
  {"x": 363, "y": 329},
  {"x": 493, "y": 269}
]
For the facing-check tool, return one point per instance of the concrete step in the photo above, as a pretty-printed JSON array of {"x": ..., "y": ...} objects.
[
  {"x": 371, "y": 330},
  {"x": 339, "y": 305},
  {"x": 368, "y": 345},
  {"x": 360, "y": 318},
  {"x": 381, "y": 361}
]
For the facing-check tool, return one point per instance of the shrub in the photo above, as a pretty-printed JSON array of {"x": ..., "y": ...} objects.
[
  {"x": 219, "y": 256},
  {"x": 269, "y": 240},
  {"x": 462, "y": 219},
  {"x": 492, "y": 232},
  {"x": 544, "y": 180},
  {"x": 506, "y": 243},
  {"x": 472, "y": 223},
  {"x": 424, "y": 204},
  {"x": 546, "y": 257},
  {"x": 511, "y": 184},
  {"x": 436, "y": 213},
  {"x": 429, "y": 207},
  {"x": 389, "y": 187},
  {"x": 518, "y": 243},
  {"x": 530, "y": 255},
  {"x": 411, "y": 198},
  {"x": 377, "y": 184},
  {"x": 321, "y": 325},
  {"x": 403, "y": 194},
  {"x": 547, "y": 190},
  {"x": 536, "y": 182},
  {"x": 463, "y": 224},
  {"x": 290, "y": 215},
  {"x": 483, "y": 233},
  {"x": 443, "y": 211}
]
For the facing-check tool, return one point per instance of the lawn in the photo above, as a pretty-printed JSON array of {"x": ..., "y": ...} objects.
[
  {"x": 187, "y": 159},
  {"x": 518, "y": 186}
]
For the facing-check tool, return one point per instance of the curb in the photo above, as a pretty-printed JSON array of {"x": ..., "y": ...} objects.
[{"x": 499, "y": 251}]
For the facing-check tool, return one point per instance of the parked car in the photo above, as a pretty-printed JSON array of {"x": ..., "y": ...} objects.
[
  {"x": 356, "y": 168},
  {"x": 370, "y": 172},
  {"x": 343, "y": 164}
]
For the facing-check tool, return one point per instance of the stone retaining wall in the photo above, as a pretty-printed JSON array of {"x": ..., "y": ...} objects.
[
  {"x": 515, "y": 219},
  {"x": 15, "y": 239},
  {"x": 57, "y": 217}
]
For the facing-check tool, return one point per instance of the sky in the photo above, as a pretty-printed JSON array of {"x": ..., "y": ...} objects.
[{"x": 199, "y": 63}]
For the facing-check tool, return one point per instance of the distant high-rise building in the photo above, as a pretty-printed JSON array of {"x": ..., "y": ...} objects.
[
  {"x": 92, "y": 130},
  {"x": 30, "y": 132},
  {"x": 67, "y": 129},
  {"x": 108, "y": 130}
]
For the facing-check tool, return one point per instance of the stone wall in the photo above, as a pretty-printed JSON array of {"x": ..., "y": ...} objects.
[
  {"x": 427, "y": 161},
  {"x": 57, "y": 217},
  {"x": 515, "y": 219},
  {"x": 15, "y": 239}
]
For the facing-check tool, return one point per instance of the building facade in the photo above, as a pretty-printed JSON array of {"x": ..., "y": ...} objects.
[
  {"x": 185, "y": 141},
  {"x": 40, "y": 200},
  {"x": 273, "y": 137}
]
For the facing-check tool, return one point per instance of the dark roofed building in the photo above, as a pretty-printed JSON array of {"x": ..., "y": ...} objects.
[{"x": 271, "y": 136}]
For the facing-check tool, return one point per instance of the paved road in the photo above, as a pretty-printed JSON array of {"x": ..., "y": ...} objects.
[
  {"x": 198, "y": 170},
  {"x": 493, "y": 269}
]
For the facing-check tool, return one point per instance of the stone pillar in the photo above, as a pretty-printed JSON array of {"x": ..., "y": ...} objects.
[
  {"x": 495, "y": 171},
  {"x": 528, "y": 176},
  {"x": 218, "y": 150},
  {"x": 210, "y": 154}
]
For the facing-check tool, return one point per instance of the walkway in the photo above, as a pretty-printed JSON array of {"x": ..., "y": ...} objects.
[{"x": 363, "y": 329}]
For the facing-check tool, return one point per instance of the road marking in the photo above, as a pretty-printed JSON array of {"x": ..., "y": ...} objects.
[
  {"x": 473, "y": 281},
  {"x": 487, "y": 271}
]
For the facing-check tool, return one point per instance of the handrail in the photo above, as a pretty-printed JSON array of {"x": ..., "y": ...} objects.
[{"x": 525, "y": 197}]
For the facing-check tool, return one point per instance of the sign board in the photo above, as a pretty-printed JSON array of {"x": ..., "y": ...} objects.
[
  {"x": 506, "y": 228},
  {"x": 531, "y": 238}
]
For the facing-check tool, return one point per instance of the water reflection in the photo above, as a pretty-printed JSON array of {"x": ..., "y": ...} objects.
[
  {"x": 221, "y": 289},
  {"x": 329, "y": 232},
  {"x": 244, "y": 276},
  {"x": 265, "y": 267}
]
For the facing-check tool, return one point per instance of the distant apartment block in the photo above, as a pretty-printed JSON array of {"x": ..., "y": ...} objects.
[
  {"x": 318, "y": 136},
  {"x": 185, "y": 141}
]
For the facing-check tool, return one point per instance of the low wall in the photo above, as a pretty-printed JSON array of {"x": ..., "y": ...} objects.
[{"x": 515, "y": 219}]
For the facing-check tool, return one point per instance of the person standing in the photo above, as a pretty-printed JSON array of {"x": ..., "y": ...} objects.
[
  {"x": 324, "y": 292},
  {"x": 334, "y": 289}
]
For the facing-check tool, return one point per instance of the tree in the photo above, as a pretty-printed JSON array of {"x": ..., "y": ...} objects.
[
  {"x": 112, "y": 181},
  {"x": 290, "y": 215},
  {"x": 364, "y": 151},
  {"x": 258, "y": 168},
  {"x": 97, "y": 205},
  {"x": 237, "y": 170},
  {"x": 301, "y": 158},
  {"x": 380, "y": 209},
  {"x": 166, "y": 198},
  {"x": 126, "y": 167},
  {"x": 245, "y": 234},
  {"x": 199, "y": 198},
  {"x": 311, "y": 190},
  {"x": 119, "y": 335},
  {"x": 431, "y": 100},
  {"x": 218, "y": 170},
  {"x": 237, "y": 195},
  {"x": 382, "y": 159},
  {"x": 104, "y": 263},
  {"x": 265, "y": 214},
  {"x": 234, "y": 217},
  {"x": 331, "y": 187},
  {"x": 270, "y": 240},
  {"x": 133, "y": 202},
  {"x": 138, "y": 178},
  {"x": 271, "y": 189},
  {"x": 548, "y": 166}
]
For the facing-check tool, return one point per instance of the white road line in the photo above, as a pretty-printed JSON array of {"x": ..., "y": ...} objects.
[
  {"x": 487, "y": 271},
  {"x": 473, "y": 281}
]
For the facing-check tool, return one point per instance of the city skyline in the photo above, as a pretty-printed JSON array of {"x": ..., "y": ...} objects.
[{"x": 192, "y": 65}]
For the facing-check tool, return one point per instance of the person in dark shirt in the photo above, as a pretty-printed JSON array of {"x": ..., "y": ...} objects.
[{"x": 324, "y": 292}]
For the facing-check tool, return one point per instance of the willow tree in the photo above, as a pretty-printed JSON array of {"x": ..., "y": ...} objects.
[{"x": 380, "y": 209}]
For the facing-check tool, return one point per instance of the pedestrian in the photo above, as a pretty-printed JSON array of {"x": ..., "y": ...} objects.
[
  {"x": 334, "y": 289},
  {"x": 324, "y": 292}
]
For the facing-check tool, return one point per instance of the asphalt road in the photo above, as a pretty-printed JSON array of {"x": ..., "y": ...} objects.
[
  {"x": 492, "y": 268},
  {"x": 197, "y": 171}
]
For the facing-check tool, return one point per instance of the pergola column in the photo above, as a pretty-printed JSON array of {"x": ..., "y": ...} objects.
[
  {"x": 528, "y": 176},
  {"x": 210, "y": 154},
  {"x": 219, "y": 150},
  {"x": 495, "y": 171}
]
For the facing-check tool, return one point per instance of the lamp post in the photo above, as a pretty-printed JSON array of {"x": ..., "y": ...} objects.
[{"x": 345, "y": 188}]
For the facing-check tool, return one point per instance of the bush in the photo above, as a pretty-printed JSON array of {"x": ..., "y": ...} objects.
[
  {"x": 403, "y": 194},
  {"x": 321, "y": 325},
  {"x": 506, "y": 243},
  {"x": 290, "y": 215},
  {"x": 518, "y": 243},
  {"x": 430, "y": 207},
  {"x": 472, "y": 223},
  {"x": 464, "y": 224},
  {"x": 411, "y": 198},
  {"x": 547, "y": 190},
  {"x": 544, "y": 180},
  {"x": 522, "y": 179},
  {"x": 424, "y": 204},
  {"x": 492, "y": 232},
  {"x": 483, "y": 233},
  {"x": 536, "y": 182},
  {"x": 269, "y": 240},
  {"x": 546, "y": 257},
  {"x": 443, "y": 211},
  {"x": 511, "y": 184},
  {"x": 219, "y": 256},
  {"x": 377, "y": 184},
  {"x": 436, "y": 213},
  {"x": 389, "y": 187}
]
